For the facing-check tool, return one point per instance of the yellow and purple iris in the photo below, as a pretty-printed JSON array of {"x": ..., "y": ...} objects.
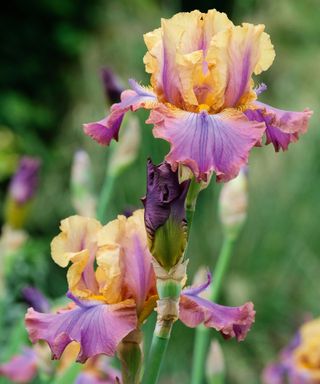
[
  {"x": 113, "y": 290},
  {"x": 202, "y": 96},
  {"x": 300, "y": 361}
]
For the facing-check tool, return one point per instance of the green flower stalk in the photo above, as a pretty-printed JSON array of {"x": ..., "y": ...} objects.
[{"x": 233, "y": 204}]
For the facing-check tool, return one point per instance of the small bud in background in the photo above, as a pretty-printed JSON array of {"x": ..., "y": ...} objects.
[
  {"x": 35, "y": 299},
  {"x": 112, "y": 85},
  {"x": 233, "y": 203},
  {"x": 126, "y": 151},
  {"x": 82, "y": 195},
  {"x": 22, "y": 189},
  {"x": 215, "y": 365},
  {"x": 165, "y": 216}
]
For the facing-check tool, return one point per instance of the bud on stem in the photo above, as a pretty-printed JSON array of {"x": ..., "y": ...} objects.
[{"x": 131, "y": 356}]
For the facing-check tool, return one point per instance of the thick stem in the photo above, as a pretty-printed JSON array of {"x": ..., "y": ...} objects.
[
  {"x": 105, "y": 196},
  {"x": 157, "y": 352},
  {"x": 131, "y": 357},
  {"x": 202, "y": 338},
  {"x": 169, "y": 285}
]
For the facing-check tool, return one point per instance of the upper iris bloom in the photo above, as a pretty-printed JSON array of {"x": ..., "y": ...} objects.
[
  {"x": 202, "y": 96},
  {"x": 113, "y": 290}
]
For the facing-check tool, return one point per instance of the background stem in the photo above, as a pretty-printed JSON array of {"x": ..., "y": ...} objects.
[
  {"x": 202, "y": 338},
  {"x": 105, "y": 196}
]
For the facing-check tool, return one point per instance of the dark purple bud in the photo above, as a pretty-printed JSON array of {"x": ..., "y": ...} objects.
[
  {"x": 35, "y": 299},
  {"x": 24, "y": 183},
  {"x": 165, "y": 216},
  {"x": 112, "y": 86}
]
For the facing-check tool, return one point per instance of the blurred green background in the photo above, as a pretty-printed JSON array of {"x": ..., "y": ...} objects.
[{"x": 51, "y": 56}]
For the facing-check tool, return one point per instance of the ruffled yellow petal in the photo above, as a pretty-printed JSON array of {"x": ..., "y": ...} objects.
[
  {"x": 77, "y": 243},
  {"x": 77, "y": 234},
  {"x": 197, "y": 58},
  {"x": 234, "y": 55}
]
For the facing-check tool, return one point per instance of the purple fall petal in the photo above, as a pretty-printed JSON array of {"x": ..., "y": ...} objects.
[
  {"x": 35, "y": 299},
  {"x": 24, "y": 183},
  {"x": 274, "y": 135},
  {"x": 105, "y": 130},
  {"x": 97, "y": 327},
  {"x": 282, "y": 127},
  {"x": 21, "y": 368},
  {"x": 205, "y": 142},
  {"x": 229, "y": 321}
]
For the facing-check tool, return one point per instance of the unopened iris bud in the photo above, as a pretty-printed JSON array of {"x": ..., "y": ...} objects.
[
  {"x": 111, "y": 84},
  {"x": 215, "y": 366},
  {"x": 22, "y": 189},
  {"x": 233, "y": 203},
  {"x": 165, "y": 216},
  {"x": 126, "y": 151},
  {"x": 82, "y": 195}
]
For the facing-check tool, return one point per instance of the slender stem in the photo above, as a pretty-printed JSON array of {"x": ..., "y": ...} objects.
[
  {"x": 191, "y": 201},
  {"x": 158, "y": 349},
  {"x": 105, "y": 196},
  {"x": 202, "y": 338}
]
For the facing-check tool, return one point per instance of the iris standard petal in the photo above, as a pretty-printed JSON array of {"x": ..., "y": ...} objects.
[
  {"x": 21, "y": 368},
  {"x": 205, "y": 142},
  {"x": 105, "y": 130},
  {"x": 77, "y": 243},
  {"x": 96, "y": 326}
]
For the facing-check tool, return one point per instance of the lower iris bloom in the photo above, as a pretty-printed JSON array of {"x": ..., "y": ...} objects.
[
  {"x": 202, "y": 96},
  {"x": 112, "y": 289},
  {"x": 299, "y": 363}
]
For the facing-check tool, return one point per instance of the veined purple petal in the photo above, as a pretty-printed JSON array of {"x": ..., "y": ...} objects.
[
  {"x": 24, "y": 183},
  {"x": 282, "y": 127},
  {"x": 287, "y": 121},
  {"x": 35, "y": 299},
  {"x": 21, "y": 368},
  {"x": 205, "y": 142},
  {"x": 105, "y": 130},
  {"x": 229, "y": 321},
  {"x": 97, "y": 327},
  {"x": 274, "y": 135}
]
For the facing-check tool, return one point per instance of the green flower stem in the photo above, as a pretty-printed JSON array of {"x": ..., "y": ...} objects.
[
  {"x": 167, "y": 308},
  {"x": 158, "y": 349},
  {"x": 105, "y": 196},
  {"x": 191, "y": 201},
  {"x": 202, "y": 338}
]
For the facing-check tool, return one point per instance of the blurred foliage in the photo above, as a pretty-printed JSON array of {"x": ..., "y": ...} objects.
[{"x": 50, "y": 85}]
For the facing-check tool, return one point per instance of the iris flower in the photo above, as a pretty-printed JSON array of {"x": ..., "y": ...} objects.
[
  {"x": 299, "y": 362},
  {"x": 202, "y": 96},
  {"x": 113, "y": 290}
]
